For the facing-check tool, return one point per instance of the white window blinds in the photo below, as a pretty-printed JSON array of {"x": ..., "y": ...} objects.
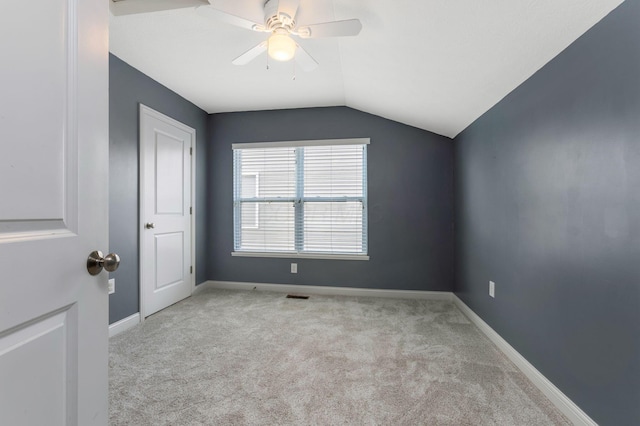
[{"x": 301, "y": 197}]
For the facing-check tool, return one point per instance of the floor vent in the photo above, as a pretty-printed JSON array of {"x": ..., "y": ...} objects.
[{"x": 296, "y": 296}]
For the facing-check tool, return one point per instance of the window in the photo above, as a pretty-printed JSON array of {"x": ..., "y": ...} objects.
[{"x": 301, "y": 199}]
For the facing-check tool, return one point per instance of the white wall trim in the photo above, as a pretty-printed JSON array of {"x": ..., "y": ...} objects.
[
  {"x": 326, "y": 290},
  {"x": 555, "y": 395},
  {"x": 193, "y": 210},
  {"x": 124, "y": 324},
  {"x": 289, "y": 144},
  {"x": 301, "y": 255}
]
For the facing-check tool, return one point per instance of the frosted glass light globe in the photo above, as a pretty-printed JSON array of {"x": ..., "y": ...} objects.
[{"x": 281, "y": 47}]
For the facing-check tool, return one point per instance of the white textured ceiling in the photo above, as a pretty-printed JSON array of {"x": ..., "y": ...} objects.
[{"x": 434, "y": 64}]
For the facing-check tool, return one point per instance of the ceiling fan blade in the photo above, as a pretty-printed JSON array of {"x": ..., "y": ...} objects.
[
  {"x": 130, "y": 7},
  {"x": 350, "y": 27},
  {"x": 250, "y": 54},
  {"x": 212, "y": 12},
  {"x": 306, "y": 61},
  {"x": 288, "y": 8}
]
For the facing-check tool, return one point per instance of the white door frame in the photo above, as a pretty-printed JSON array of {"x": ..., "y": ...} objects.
[{"x": 142, "y": 213}]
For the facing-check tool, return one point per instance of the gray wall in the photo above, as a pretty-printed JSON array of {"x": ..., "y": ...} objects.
[
  {"x": 548, "y": 206},
  {"x": 128, "y": 88},
  {"x": 410, "y": 201}
]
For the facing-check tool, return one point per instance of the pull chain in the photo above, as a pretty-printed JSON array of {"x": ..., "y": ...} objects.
[{"x": 294, "y": 70}]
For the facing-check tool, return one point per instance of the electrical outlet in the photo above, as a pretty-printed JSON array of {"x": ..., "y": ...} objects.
[
  {"x": 294, "y": 268},
  {"x": 112, "y": 285},
  {"x": 492, "y": 289}
]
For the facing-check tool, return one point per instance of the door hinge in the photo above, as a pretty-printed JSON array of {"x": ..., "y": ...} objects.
[
  {"x": 190, "y": 210},
  {"x": 191, "y": 151},
  {"x": 191, "y": 269}
]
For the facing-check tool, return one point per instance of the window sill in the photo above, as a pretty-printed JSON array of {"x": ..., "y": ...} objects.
[{"x": 325, "y": 256}]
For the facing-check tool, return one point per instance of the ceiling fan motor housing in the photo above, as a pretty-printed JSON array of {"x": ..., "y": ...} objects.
[{"x": 274, "y": 21}]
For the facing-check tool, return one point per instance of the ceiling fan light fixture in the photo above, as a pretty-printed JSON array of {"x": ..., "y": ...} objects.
[{"x": 281, "y": 47}]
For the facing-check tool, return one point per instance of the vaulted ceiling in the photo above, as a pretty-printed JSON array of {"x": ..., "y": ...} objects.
[{"x": 434, "y": 64}]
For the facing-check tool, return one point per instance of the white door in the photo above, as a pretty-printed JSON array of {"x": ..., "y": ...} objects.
[
  {"x": 165, "y": 211},
  {"x": 53, "y": 212}
]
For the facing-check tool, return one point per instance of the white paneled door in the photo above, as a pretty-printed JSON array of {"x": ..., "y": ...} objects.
[
  {"x": 165, "y": 191},
  {"x": 53, "y": 212}
]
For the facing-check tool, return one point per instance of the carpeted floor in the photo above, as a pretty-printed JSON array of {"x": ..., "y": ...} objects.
[{"x": 257, "y": 358}]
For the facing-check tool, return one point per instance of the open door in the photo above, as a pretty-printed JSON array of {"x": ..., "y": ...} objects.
[{"x": 53, "y": 212}]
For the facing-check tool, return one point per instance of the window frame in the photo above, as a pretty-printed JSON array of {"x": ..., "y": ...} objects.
[{"x": 299, "y": 200}]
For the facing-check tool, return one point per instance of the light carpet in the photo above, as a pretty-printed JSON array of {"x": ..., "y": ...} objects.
[{"x": 256, "y": 358}]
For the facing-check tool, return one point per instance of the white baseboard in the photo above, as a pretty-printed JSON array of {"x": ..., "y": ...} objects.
[
  {"x": 555, "y": 395},
  {"x": 327, "y": 290},
  {"x": 124, "y": 324}
]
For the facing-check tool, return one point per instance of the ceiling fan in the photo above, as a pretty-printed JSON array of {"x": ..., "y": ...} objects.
[{"x": 280, "y": 22}]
